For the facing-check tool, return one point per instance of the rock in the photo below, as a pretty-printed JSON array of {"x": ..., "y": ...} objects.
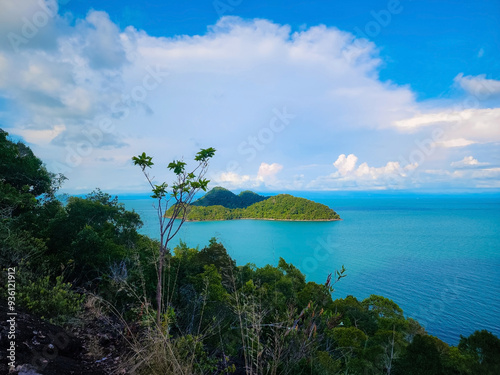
[
  {"x": 43, "y": 348},
  {"x": 26, "y": 370}
]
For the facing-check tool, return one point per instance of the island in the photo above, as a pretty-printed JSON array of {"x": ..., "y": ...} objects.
[{"x": 222, "y": 204}]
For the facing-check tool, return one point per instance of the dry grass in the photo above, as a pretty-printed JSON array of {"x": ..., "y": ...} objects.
[{"x": 156, "y": 354}]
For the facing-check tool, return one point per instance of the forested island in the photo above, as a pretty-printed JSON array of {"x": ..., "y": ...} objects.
[
  {"x": 80, "y": 283},
  {"x": 222, "y": 204}
]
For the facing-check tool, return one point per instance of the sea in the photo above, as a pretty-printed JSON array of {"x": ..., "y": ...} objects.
[{"x": 436, "y": 256}]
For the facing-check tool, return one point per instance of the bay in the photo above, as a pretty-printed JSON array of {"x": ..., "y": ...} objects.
[{"x": 436, "y": 256}]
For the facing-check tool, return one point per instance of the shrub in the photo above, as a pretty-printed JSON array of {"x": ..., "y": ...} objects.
[{"x": 56, "y": 303}]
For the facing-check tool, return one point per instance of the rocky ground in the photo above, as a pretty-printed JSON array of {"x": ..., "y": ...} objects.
[{"x": 91, "y": 346}]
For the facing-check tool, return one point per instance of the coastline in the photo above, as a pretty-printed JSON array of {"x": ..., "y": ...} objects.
[{"x": 263, "y": 219}]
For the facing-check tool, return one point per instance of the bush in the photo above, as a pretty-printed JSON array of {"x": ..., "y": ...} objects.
[{"x": 56, "y": 303}]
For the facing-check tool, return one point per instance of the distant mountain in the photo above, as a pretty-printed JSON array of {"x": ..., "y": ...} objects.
[
  {"x": 219, "y": 196},
  {"x": 221, "y": 204}
]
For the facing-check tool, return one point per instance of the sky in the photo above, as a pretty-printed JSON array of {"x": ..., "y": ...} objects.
[{"x": 294, "y": 95}]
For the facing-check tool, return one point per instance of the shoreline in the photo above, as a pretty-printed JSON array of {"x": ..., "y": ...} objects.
[{"x": 263, "y": 219}]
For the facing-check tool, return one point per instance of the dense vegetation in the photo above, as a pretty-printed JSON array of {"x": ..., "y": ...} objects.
[
  {"x": 210, "y": 213},
  {"x": 219, "y": 317},
  {"x": 219, "y": 196},
  {"x": 287, "y": 207},
  {"x": 279, "y": 207}
]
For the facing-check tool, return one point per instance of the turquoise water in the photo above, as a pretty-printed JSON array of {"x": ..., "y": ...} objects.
[{"x": 438, "y": 257}]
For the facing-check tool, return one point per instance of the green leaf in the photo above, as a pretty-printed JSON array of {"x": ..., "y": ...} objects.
[
  {"x": 177, "y": 167},
  {"x": 204, "y": 154},
  {"x": 159, "y": 191},
  {"x": 143, "y": 160}
]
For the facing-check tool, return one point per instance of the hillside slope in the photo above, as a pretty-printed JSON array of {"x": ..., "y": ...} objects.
[
  {"x": 219, "y": 196},
  {"x": 288, "y": 207}
]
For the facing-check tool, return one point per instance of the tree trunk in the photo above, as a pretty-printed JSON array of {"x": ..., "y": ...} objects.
[
  {"x": 159, "y": 287},
  {"x": 389, "y": 367}
]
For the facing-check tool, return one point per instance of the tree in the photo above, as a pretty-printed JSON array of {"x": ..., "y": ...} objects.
[
  {"x": 182, "y": 191},
  {"x": 349, "y": 343},
  {"x": 26, "y": 201},
  {"x": 388, "y": 314},
  {"x": 23, "y": 171},
  {"x": 23, "y": 179},
  {"x": 354, "y": 314},
  {"x": 90, "y": 234},
  {"x": 421, "y": 358},
  {"x": 484, "y": 347}
]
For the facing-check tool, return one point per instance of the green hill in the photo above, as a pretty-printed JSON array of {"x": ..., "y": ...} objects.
[
  {"x": 247, "y": 198},
  {"x": 288, "y": 207},
  {"x": 219, "y": 196},
  {"x": 279, "y": 207}
]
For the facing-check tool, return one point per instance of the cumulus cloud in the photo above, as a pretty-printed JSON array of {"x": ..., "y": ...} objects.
[
  {"x": 348, "y": 176},
  {"x": 265, "y": 177},
  {"x": 468, "y": 162},
  {"x": 268, "y": 171},
  {"x": 63, "y": 84},
  {"x": 346, "y": 167},
  {"x": 345, "y": 164}
]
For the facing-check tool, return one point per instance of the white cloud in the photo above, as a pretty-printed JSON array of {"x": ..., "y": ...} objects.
[
  {"x": 467, "y": 161},
  {"x": 460, "y": 128},
  {"x": 478, "y": 86},
  {"x": 38, "y": 136},
  {"x": 266, "y": 177},
  {"x": 62, "y": 84},
  {"x": 348, "y": 176},
  {"x": 233, "y": 179},
  {"x": 346, "y": 167},
  {"x": 345, "y": 164},
  {"x": 428, "y": 119},
  {"x": 268, "y": 171},
  {"x": 456, "y": 142}
]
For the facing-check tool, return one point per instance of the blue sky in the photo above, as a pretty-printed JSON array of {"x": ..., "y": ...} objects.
[{"x": 294, "y": 95}]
